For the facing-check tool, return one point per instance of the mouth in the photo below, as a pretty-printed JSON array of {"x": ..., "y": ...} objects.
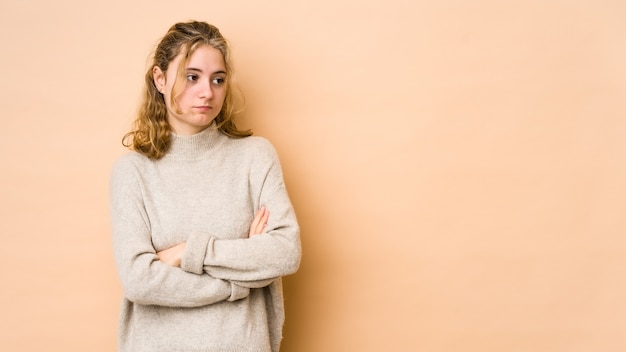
[{"x": 203, "y": 107}]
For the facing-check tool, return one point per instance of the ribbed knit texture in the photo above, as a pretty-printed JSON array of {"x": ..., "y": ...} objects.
[{"x": 227, "y": 295}]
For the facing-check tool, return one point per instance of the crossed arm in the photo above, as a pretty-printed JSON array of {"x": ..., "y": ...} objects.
[
  {"x": 145, "y": 275},
  {"x": 205, "y": 269},
  {"x": 173, "y": 255},
  {"x": 159, "y": 282}
]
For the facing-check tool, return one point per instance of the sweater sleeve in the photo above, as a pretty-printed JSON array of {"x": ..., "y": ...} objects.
[
  {"x": 256, "y": 261},
  {"x": 145, "y": 279},
  {"x": 195, "y": 252}
]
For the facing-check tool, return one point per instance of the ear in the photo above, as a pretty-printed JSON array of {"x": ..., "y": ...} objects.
[{"x": 159, "y": 78}]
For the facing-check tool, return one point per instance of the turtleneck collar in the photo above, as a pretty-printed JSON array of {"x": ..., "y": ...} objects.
[{"x": 193, "y": 146}]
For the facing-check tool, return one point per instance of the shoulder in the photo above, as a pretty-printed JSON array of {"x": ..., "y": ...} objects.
[
  {"x": 129, "y": 165},
  {"x": 130, "y": 160},
  {"x": 256, "y": 147}
]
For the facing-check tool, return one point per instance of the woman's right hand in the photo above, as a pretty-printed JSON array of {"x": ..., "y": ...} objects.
[
  {"x": 172, "y": 255},
  {"x": 260, "y": 221}
]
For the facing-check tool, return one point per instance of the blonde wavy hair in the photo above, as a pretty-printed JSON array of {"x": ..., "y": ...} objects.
[{"x": 150, "y": 134}]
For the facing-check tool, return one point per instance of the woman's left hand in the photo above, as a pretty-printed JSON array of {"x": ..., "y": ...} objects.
[{"x": 260, "y": 221}]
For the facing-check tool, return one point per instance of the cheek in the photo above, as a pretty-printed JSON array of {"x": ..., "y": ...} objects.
[
  {"x": 184, "y": 97},
  {"x": 222, "y": 96}
]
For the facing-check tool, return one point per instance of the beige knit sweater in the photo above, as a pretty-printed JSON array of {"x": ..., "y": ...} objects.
[{"x": 227, "y": 295}]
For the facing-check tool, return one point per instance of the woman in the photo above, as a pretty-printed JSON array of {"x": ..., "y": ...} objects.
[{"x": 198, "y": 255}]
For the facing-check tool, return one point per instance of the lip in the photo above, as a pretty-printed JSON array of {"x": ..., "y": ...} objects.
[{"x": 203, "y": 107}]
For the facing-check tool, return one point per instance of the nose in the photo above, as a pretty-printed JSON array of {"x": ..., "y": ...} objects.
[{"x": 206, "y": 91}]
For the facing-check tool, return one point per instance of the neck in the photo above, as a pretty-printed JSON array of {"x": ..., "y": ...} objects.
[{"x": 195, "y": 145}]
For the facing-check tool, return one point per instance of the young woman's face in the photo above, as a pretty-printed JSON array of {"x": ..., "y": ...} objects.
[{"x": 200, "y": 97}]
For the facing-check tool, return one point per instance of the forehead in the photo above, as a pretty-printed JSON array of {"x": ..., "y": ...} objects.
[{"x": 206, "y": 59}]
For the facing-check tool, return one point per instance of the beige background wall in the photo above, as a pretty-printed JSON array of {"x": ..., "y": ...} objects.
[{"x": 458, "y": 167}]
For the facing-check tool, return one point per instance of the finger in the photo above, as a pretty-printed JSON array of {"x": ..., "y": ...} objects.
[
  {"x": 257, "y": 223},
  {"x": 257, "y": 219},
  {"x": 264, "y": 220},
  {"x": 262, "y": 223}
]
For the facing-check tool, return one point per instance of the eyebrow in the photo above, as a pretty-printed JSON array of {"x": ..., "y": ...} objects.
[{"x": 200, "y": 71}]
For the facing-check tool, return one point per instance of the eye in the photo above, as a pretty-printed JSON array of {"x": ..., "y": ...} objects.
[
  {"x": 218, "y": 81},
  {"x": 192, "y": 77}
]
